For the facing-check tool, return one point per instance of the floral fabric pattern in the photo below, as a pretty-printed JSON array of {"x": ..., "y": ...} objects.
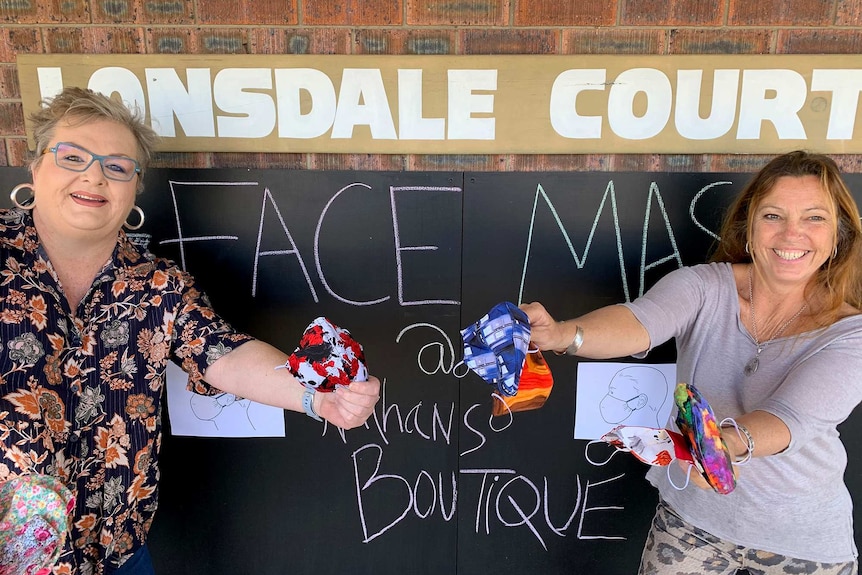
[
  {"x": 80, "y": 393},
  {"x": 34, "y": 512}
]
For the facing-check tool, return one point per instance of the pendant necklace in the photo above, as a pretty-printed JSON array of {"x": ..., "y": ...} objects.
[{"x": 754, "y": 362}]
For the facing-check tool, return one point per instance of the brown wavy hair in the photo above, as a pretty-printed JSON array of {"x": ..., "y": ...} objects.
[
  {"x": 839, "y": 279},
  {"x": 77, "y": 106}
]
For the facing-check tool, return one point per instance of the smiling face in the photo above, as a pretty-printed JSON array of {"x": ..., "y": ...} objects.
[
  {"x": 793, "y": 231},
  {"x": 84, "y": 205}
]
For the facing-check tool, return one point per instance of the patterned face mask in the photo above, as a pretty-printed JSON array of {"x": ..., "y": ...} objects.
[
  {"x": 327, "y": 357},
  {"x": 651, "y": 446},
  {"x": 495, "y": 346},
  {"x": 698, "y": 442},
  {"x": 697, "y": 423},
  {"x": 34, "y": 520},
  {"x": 534, "y": 387}
]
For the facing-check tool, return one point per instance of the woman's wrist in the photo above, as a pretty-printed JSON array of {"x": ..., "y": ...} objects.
[{"x": 571, "y": 341}]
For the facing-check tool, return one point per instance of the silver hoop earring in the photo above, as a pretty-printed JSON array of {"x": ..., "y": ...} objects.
[
  {"x": 746, "y": 248},
  {"x": 141, "y": 223},
  {"x": 30, "y": 202},
  {"x": 834, "y": 252}
]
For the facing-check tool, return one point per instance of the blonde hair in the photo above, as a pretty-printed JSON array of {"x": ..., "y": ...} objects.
[{"x": 76, "y": 106}]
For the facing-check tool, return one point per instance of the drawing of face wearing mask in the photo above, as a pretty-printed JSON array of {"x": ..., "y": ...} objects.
[
  {"x": 640, "y": 389},
  {"x": 209, "y": 407}
]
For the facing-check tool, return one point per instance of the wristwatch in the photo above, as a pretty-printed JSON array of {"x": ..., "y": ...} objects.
[{"x": 308, "y": 404}]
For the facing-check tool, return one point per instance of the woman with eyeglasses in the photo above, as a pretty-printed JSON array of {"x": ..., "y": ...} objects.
[
  {"x": 770, "y": 333},
  {"x": 88, "y": 323}
]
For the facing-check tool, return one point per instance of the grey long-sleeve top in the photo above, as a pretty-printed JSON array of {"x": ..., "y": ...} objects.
[{"x": 794, "y": 503}]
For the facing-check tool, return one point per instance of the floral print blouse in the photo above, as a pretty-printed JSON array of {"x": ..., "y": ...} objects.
[{"x": 80, "y": 393}]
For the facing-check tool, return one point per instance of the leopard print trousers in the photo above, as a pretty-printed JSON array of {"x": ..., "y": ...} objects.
[{"x": 675, "y": 547}]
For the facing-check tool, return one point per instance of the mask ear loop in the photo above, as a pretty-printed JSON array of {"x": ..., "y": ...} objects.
[
  {"x": 744, "y": 437},
  {"x": 687, "y": 477},
  {"x": 605, "y": 462}
]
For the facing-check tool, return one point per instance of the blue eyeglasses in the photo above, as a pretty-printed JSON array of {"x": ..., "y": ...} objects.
[{"x": 77, "y": 159}]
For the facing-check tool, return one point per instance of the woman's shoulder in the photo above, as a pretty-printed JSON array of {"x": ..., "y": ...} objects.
[
  {"x": 716, "y": 274},
  {"x": 848, "y": 311}
]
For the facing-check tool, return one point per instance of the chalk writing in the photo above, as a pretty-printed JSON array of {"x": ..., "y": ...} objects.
[
  {"x": 610, "y": 194},
  {"x": 399, "y": 248}
]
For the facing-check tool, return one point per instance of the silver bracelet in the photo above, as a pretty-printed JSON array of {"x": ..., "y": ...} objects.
[
  {"x": 576, "y": 344},
  {"x": 744, "y": 435}
]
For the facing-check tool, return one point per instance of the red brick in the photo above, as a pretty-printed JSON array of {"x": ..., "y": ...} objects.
[
  {"x": 565, "y": 13},
  {"x": 168, "y": 11},
  {"x": 324, "y": 13},
  {"x": 256, "y": 13},
  {"x": 400, "y": 41},
  {"x": 636, "y": 163},
  {"x": 4, "y": 159},
  {"x": 21, "y": 11},
  {"x": 508, "y": 41},
  {"x": 374, "y": 162},
  {"x": 181, "y": 160},
  {"x": 11, "y": 119},
  {"x": 780, "y": 13},
  {"x": 613, "y": 41},
  {"x": 375, "y": 13},
  {"x": 118, "y": 40},
  {"x": 187, "y": 40},
  {"x": 720, "y": 41},
  {"x": 15, "y": 41},
  {"x": 684, "y": 163},
  {"x": 300, "y": 41},
  {"x": 672, "y": 12},
  {"x": 63, "y": 40},
  {"x": 823, "y": 41},
  {"x": 849, "y": 163},
  {"x": 45, "y": 12},
  {"x": 560, "y": 163},
  {"x": 171, "y": 40},
  {"x": 10, "y": 89},
  {"x": 352, "y": 13},
  {"x": 611, "y": 163},
  {"x": 117, "y": 12},
  {"x": 18, "y": 152},
  {"x": 849, "y": 13},
  {"x": 457, "y": 163},
  {"x": 259, "y": 161},
  {"x": 458, "y": 12},
  {"x": 738, "y": 163},
  {"x": 223, "y": 41}
]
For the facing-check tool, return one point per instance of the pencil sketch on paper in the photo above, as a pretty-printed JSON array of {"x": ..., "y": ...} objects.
[
  {"x": 221, "y": 415},
  {"x": 612, "y": 394}
]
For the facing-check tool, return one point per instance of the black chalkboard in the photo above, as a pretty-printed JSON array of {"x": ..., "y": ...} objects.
[{"x": 434, "y": 483}]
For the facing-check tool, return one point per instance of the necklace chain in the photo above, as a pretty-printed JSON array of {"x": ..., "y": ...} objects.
[{"x": 754, "y": 362}]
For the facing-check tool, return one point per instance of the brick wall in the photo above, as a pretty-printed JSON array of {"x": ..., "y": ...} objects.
[{"x": 422, "y": 27}]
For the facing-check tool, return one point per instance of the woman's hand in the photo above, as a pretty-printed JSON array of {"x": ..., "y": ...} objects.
[
  {"x": 545, "y": 332},
  {"x": 349, "y": 407}
]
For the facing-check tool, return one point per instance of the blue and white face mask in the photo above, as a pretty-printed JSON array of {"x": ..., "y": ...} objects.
[{"x": 495, "y": 346}]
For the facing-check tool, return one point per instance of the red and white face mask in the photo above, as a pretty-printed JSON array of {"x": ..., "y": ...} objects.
[{"x": 652, "y": 446}]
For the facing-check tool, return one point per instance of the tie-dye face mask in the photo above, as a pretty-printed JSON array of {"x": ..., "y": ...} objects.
[
  {"x": 327, "y": 357},
  {"x": 698, "y": 425}
]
